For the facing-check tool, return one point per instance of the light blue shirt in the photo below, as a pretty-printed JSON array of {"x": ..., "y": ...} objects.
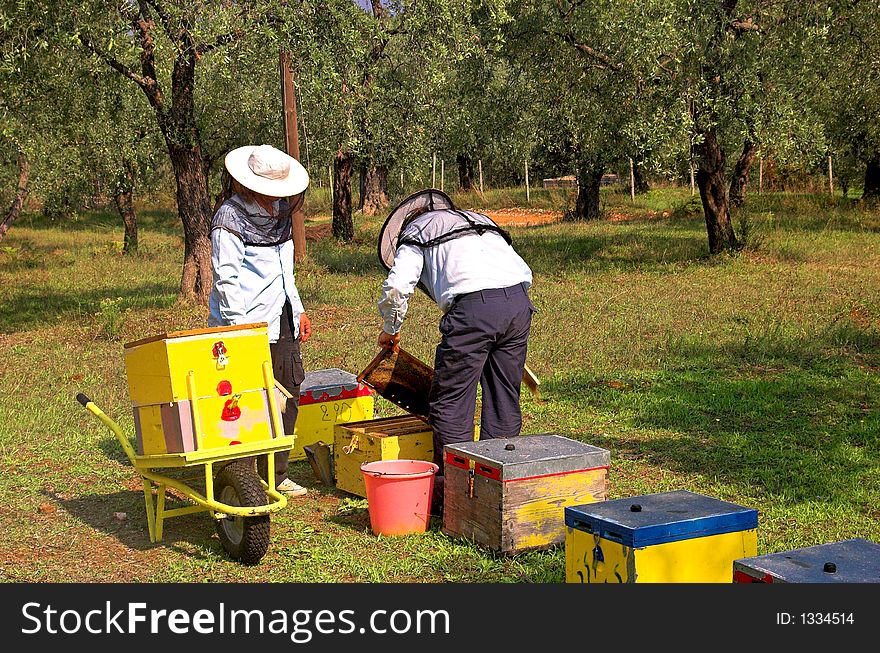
[
  {"x": 251, "y": 283},
  {"x": 460, "y": 265}
]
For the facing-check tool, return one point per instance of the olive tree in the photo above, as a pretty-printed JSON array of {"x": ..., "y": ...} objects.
[{"x": 157, "y": 48}]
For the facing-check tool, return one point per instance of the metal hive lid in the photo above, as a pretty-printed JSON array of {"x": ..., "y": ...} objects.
[
  {"x": 855, "y": 561},
  {"x": 328, "y": 384},
  {"x": 533, "y": 455},
  {"x": 662, "y": 517}
]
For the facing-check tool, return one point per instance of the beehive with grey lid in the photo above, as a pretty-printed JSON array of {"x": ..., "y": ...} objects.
[
  {"x": 328, "y": 397},
  {"x": 509, "y": 494}
]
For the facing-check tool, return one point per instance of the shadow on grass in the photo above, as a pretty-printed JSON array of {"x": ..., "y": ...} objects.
[
  {"x": 816, "y": 212},
  {"x": 164, "y": 222},
  {"x": 355, "y": 519},
  {"x": 98, "y": 512},
  {"x": 26, "y": 309},
  {"x": 111, "y": 448},
  {"x": 795, "y": 426}
]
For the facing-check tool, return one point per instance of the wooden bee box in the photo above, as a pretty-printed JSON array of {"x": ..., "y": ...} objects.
[
  {"x": 669, "y": 537},
  {"x": 386, "y": 438},
  {"x": 508, "y": 494},
  {"x": 849, "y": 561}
]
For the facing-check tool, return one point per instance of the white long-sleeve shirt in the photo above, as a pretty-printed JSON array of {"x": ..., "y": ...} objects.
[
  {"x": 252, "y": 283},
  {"x": 460, "y": 265}
]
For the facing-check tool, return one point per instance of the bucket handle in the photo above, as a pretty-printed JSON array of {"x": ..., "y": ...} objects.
[{"x": 378, "y": 474}]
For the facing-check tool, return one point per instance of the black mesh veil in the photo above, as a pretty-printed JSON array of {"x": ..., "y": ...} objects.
[{"x": 429, "y": 199}]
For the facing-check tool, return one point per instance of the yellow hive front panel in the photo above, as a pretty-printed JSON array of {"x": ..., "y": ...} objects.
[
  {"x": 371, "y": 448},
  {"x": 245, "y": 352},
  {"x": 593, "y": 559},
  {"x": 316, "y": 421},
  {"x": 413, "y": 446},
  {"x": 534, "y": 509},
  {"x": 253, "y": 424}
]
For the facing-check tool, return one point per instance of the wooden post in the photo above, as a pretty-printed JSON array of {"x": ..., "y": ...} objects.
[
  {"x": 692, "y": 177},
  {"x": 291, "y": 144},
  {"x": 761, "y": 174},
  {"x": 302, "y": 120},
  {"x": 330, "y": 181},
  {"x": 442, "y": 172},
  {"x": 528, "y": 196},
  {"x": 830, "y": 177},
  {"x": 480, "y": 165},
  {"x": 632, "y": 181},
  {"x": 434, "y": 172}
]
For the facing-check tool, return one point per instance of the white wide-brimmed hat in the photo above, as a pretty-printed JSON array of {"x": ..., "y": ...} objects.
[{"x": 267, "y": 170}]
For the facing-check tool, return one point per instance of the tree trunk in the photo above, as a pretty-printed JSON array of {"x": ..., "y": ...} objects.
[
  {"x": 183, "y": 140},
  {"x": 465, "y": 171},
  {"x": 587, "y": 205},
  {"x": 710, "y": 180},
  {"x": 21, "y": 191},
  {"x": 741, "y": 173},
  {"x": 343, "y": 226},
  {"x": 194, "y": 208},
  {"x": 872, "y": 181},
  {"x": 124, "y": 204},
  {"x": 639, "y": 180},
  {"x": 373, "y": 187}
]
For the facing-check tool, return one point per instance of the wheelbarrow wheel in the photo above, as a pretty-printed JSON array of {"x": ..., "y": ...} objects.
[{"x": 245, "y": 539}]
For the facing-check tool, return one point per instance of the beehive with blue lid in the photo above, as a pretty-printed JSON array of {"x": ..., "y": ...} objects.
[{"x": 667, "y": 537}]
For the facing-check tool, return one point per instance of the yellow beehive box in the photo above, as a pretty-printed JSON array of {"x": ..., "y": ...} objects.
[
  {"x": 508, "y": 494},
  {"x": 326, "y": 398},
  {"x": 386, "y": 438},
  {"x": 404, "y": 437},
  {"x": 202, "y": 389},
  {"x": 669, "y": 537}
]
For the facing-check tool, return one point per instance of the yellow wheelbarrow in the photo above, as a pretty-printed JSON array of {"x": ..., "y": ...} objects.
[
  {"x": 206, "y": 399},
  {"x": 235, "y": 495}
]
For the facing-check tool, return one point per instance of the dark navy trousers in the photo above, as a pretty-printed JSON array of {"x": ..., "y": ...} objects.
[
  {"x": 485, "y": 337},
  {"x": 287, "y": 367}
]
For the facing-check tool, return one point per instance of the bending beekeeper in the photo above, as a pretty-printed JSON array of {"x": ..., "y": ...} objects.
[{"x": 467, "y": 265}]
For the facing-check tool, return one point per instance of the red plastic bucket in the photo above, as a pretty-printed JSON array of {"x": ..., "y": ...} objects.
[{"x": 399, "y": 495}]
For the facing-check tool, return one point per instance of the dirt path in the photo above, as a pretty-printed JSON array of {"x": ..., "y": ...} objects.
[
  {"x": 518, "y": 217},
  {"x": 513, "y": 217}
]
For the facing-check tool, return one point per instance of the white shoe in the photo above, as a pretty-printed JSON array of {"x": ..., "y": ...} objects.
[{"x": 290, "y": 488}]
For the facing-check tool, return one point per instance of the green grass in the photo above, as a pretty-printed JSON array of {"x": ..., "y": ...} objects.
[{"x": 750, "y": 377}]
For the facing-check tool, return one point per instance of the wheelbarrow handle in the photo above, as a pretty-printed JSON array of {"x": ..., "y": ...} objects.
[{"x": 90, "y": 406}]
